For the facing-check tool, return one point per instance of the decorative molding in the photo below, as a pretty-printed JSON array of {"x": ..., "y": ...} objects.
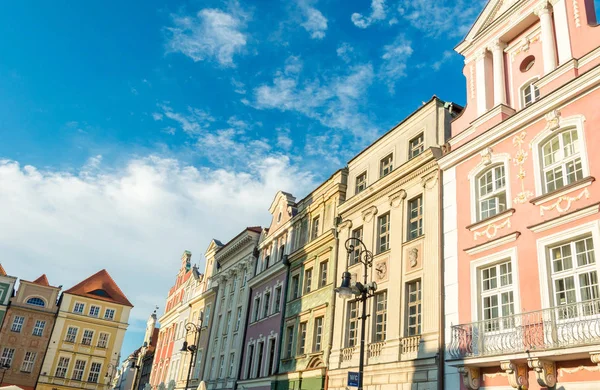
[
  {"x": 472, "y": 80},
  {"x": 579, "y": 184},
  {"x": 491, "y": 376},
  {"x": 516, "y": 374},
  {"x": 497, "y": 45},
  {"x": 545, "y": 371},
  {"x": 493, "y": 244},
  {"x": 576, "y": 14},
  {"x": 557, "y": 205},
  {"x": 552, "y": 120},
  {"x": 413, "y": 257},
  {"x": 428, "y": 182},
  {"x": 519, "y": 161},
  {"x": 492, "y": 229},
  {"x": 471, "y": 377},
  {"x": 397, "y": 198},
  {"x": 542, "y": 8},
  {"x": 347, "y": 224},
  {"x": 486, "y": 156},
  {"x": 562, "y": 371},
  {"x": 381, "y": 270},
  {"x": 369, "y": 213},
  {"x": 487, "y": 221},
  {"x": 566, "y": 218},
  {"x": 525, "y": 46}
]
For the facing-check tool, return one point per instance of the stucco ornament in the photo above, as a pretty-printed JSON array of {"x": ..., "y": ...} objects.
[
  {"x": 545, "y": 371},
  {"x": 491, "y": 230},
  {"x": 519, "y": 160},
  {"x": 576, "y": 14},
  {"x": 369, "y": 213},
  {"x": 525, "y": 46},
  {"x": 381, "y": 270},
  {"x": 413, "y": 257},
  {"x": 568, "y": 202},
  {"x": 486, "y": 156},
  {"x": 552, "y": 120},
  {"x": 516, "y": 374},
  {"x": 471, "y": 377},
  {"x": 595, "y": 356}
]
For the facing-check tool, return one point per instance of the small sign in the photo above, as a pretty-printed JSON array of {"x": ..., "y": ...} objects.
[{"x": 353, "y": 379}]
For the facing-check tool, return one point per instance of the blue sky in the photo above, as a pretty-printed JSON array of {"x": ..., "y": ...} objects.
[{"x": 131, "y": 131}]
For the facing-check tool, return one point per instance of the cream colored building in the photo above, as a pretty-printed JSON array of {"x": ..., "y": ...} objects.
[{"x": 393, "y": 206}]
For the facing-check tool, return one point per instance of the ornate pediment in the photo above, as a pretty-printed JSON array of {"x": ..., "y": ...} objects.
[{"x": 492, "y": 11}]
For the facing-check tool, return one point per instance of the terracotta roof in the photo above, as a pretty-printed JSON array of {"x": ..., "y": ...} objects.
[
  {"x": 42, "y": 281},
  {"x": 102, "y": 287},
  {"x": 256, "y": 229},
  {"x": 2, "y": 271}
]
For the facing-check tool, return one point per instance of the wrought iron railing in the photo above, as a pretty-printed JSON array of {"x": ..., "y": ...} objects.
[{"x": 557, "y": 327}]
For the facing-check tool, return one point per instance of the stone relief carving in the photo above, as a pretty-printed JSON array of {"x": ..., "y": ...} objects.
[
  {"x": 381, "y": 270},
  {"x": 471, "y": 377},
  {"x": 486, "y": 156},
  {"x": 492, "y": 229},
  {"x": 397, "y": 198},
  {"x": 552, "y": 120},
  {"x": 516, "y": 374},
  {"x": 369, "y": 213},
  {"x": 413, "y": 257},
  {"x": 519, "y": 160},
  {"x": 545, "y": 371},
  {"x": 525, "y": 46},
  {"x": 569, "y": 201}
]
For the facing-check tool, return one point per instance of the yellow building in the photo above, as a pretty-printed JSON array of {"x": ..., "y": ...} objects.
[{"x": 85, "y": 343}]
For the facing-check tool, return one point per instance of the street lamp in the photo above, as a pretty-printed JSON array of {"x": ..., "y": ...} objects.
[
  {"x": 196, "y": 330},
  {"x": 360, "y": 291},
  {"x": 4, "y": 368}
]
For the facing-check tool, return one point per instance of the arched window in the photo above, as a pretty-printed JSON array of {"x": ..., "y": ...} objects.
[
  {"x": 491, "y": 192},
  {"x": 561, "y": 160},
  {"x": 529, "y": 93},
  {"x": 36, "y": 302}
]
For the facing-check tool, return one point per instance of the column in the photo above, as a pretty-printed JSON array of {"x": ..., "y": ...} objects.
[
  {"x": 563, "y": 40},
  {"x": 548, "y": 41},
  {"x": 481, "y": 76},
  {"x": 497, "y": 49}
]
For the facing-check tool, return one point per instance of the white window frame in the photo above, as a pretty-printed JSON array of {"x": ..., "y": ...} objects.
[
  {"x": 502, "y": 322},
  {"x": 64, "y": 367},
  {"x": 307, "y": 281},
  {"x": 378, "y": 312},
  {"x": 421, "y": 217},
  {"x": 350, "y": 319},
  {"x": 96, "y": 373},
  {"x": 7, "y": 356},
  {"x": 91, "y": 338},
  {"x": 509, "y": 254},
  {"x": 107, "y": 310},
  {"x": 28, "y": 361},
  {"x": 266, "y": 303},
  {"x": 258, "y": 359},
  {"x": 238, "y": 320},
  {"x": 301, "y": 346},
  {"x": 357, "y": 184},
  {"x": 381, "y": 234},
  {"x": 231, "y": 371},
  {"x": 386, "y": 165},
  {"x": 496, "y": 159},
  {"x": 17, "y": 324},
  {"x": 289, "y": 341},
  {"x": 317, "y": 346},
  {"x": 82, "y": 305},
  {"x": 249, "y": 359},
  {"x": 278, "y": 298},
  {"x": 38, "y": 328},
  {"x": 101, "y": 341},
  {"x": 354, "y": 256},
  {"x": 78, "y": 370},
  {"x": 494, "y": 193},
  {"x": 574, "y": 121},
  {"x": 90, "y": 311},
  {"x": 323, "y": 270},
  {"x": 257, "y": 307},
  {"x": 74, "y": 336},
  {"x": 315, "y": 227},
  {"x": 296, "y": 292},
  {"x": 528, "y": 85},
  {"x": 419, "y": 146},
  {"x": 270, "y": 369}
]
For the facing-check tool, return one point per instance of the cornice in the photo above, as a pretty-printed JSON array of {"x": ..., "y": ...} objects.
[
  {"x": 305, "y": 250},
  {"x": 232, "y": 249},
  {"x": 267, "y": 274}
]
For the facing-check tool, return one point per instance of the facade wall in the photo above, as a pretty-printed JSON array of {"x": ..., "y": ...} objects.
[{"x": 7, "y": 285}]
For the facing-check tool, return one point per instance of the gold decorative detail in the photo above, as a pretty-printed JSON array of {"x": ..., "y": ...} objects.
[
  {"x": 576, "y": 13},
  {"x": 492, "y": 229},
  {"x": 545, "y": 371},
  {"x": 524, "y": 48},
  {"x": 516, "y": 373},
  {"x": 519, "y": 160},
  {"x": 552, "y": 120},
  {"x": 486, "y": 156},
  {"x": 471, "y": 377},
  {"x": 557, "y": 205}
]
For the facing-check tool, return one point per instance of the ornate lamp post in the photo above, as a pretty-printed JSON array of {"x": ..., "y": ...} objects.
[
  {"x": 193, "y": 349},
  {"x": 3, "y": 368},
  {"x": 360, "y": 291}
]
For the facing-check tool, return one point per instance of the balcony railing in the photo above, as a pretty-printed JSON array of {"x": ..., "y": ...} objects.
[{"x": 558, "y": 327}]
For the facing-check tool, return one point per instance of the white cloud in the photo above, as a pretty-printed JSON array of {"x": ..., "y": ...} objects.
[
  {"x": 157, "y": 116},
  {"x": 443, "y": 17},
  {"x": 283, "y": 139},
  {"x": 395, "y": 57},
  {"x": 192, "y": 122},
  {"x": 314, "y": 21},
  {"x": 212, "y": 34},
  {"x": 378, "y": 12},
  {"x": 239, "y": 87},
  {"x": 446, "y": 56},
  {"x": 134, "y": 221},
  {"x": 345, "y": 51}
]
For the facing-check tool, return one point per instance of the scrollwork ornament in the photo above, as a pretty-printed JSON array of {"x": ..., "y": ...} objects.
[
  {"x": 516, "y": 374},
  {"x": 471, "y": 377},
  {"x": 545, "y": 371}
]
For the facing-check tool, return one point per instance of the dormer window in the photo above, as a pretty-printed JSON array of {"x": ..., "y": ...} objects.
[
  {"x": 529, "y": 93},
  {"x": 361, "y": 183},
  {"x": 416, "y": 146},
  {"x": 386, "y": 165},
  {"x": 36, "y": 302}
]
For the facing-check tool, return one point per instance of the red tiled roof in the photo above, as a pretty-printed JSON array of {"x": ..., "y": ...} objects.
[
  {"x": 2, "y": 271},
  {"x": 42, "y": 281},
  {"x": 256, "y": 229},
  {"x": 102, "y": 287}
]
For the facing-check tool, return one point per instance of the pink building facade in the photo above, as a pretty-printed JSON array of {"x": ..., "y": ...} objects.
[{"x": 521, "y": 203}]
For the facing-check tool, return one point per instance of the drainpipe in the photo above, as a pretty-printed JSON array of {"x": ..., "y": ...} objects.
[
  {"x": 442, "y": 320},
  {"x": 332, "y": 316}
]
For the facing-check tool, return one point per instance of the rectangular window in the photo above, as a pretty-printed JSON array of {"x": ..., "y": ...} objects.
[
  {"x": 270, "y": 368},
  {"x": 352, "y": 324},
  {"x": 7, "y": 356},
  {"x": 289, "y": 341},
  {"x": 71, "y": 334},
  {"x": 17, "y": 324},
  {"x": 497, "y": 295},
  {"x": 323, "y": 273},
  {"x": 103, "y": 340},
  {"x": 238, "y": 321},
  {"x": 302, "y": 338},
  {"x": 307, "y": 280},
  {"x": 87, "y": 337},
  {"x": 414, "y": 308},
  {"x": 231, "y": 364},
  {"x": 94, "y": 311},
  {"x": 380, "y": 316},
  {"x": 222, "y": 366},
  {"x": 38, "y": 329},
  {"x": 256, "y": 308},
  {"x": 109, "y": 314},
  {"x": 62, "y": 367},
  {"x": 314, "y": 233},
  {"x": 295, "y": 286},
  {"x": 361, "y": 183},
  {"x": 206, "y": 315},
  {"x": 78, "y": 369},
  {"x": 94, "y": 372},
  {"x": 304, "y": 231},
  {"x": 386, "y": 165},
  {"x": 28, "y": 362},
  {"x": 261, "y": 347},
  {"x": 277, "y": 299},
  {"x": 383, "y": 233},
  {"x": 249, "y": 360},
  {"x": 416, "y": 146},
  {"x": 415, "y": 217},
  {"x": 266, "y": 304},
  {"x": 355, "y": 255},
  {"x": 318, "y": 334},
  {"x": 79, "y": 307}
]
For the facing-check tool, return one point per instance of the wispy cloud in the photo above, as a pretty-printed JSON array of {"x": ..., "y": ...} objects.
[
  {"x": 239, "y": 87},
  {"x": 378, "y": 13},
  {"x": 283, "y": 138},
  {"x": 212, "y": 34},
  {"x": 314, "y": 21},
  {"x": 157, "y": 116},
  {"x": 345, "y": 51},
  {"x": 395, "y": 57},
  {"x": 192, "y": 122}
]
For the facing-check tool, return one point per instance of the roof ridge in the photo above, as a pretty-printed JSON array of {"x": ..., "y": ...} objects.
[
  {"x": 100, "y": 276},
  {"x": 42, "y": 281}
]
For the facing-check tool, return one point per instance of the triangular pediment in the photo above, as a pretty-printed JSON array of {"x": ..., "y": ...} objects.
[{"x": 492, "y": 11}]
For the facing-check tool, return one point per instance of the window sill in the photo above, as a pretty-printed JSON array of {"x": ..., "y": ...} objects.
[
  {"x": 315, "y": 353},
  {"x": 586, "y": 181},
  {"x": 492, "y": 219},
  {"x": 411, "y": 240}
]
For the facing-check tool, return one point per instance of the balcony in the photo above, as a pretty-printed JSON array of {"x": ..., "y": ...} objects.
[{"x": 566, "y": 326}]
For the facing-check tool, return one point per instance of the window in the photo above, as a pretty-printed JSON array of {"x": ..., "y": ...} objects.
[
  {"x": 323, "y": 274},
  {"x": 561, "y": 160},
  {"x": 7, "y": 356},
  {"x": 414, "y": 308},
  {"x": 355, "y": 255},
  {"x": 87, "y": 337},
  {"x": 222, "y": 366},
  {"x": 383, "y": 233},
  {"x": 386, "y": 165},
  {"x": 94, "y": 372},
  {"x": 266, "y": 304},
  {"x": 256, "y": 308},
  {"x": 212, "y": 368},
  {"x": 314, "y": 233},
  {"x": 352, "y": 324},
  {"x": 259, "y": 360},
  {"x": 304, "y": 231},
  {"x": 281, "y": 251},
  {"x": 491, "y": 192},
  {"x": 62, "y": 367},
  {"x": 302, "y": 339},
  {"x": 238, "y": 321},
  {"x": 38, "y": 329},
  {"x": 270, "y": 368},
  {"x": 244, "y": 278},
  {"x": 380, "y": 316},
  {"x": 250, "y": 359},
  {"x": 228, "y": 326},
  {"x": 78, "y": 369},
  {"x": 277, "y": 299},
  {"x": 94, "y": 311},
  {"x": 295, "y": 286},
  {"x": 289, "y": 341},
  {"x": 36, "y": 302},
  {"x": 415, "y": 217},
  {"x": 529, "y": 93},
  {"x": 231, "y": 364},
  {"x": 28, "y": 362},
  {"x": 527, "y": 64},
  {"x": 497, "y": 295},
  {"x": 109, "y": 314},
  {"x": 318, "y": 334},
  {"x": 574, "y": 277},
  {"x": 206, "y": 315},
  {"x": 307, "y": 280},
  {"x": 71, "y": 334},
  {"x": 102, "y": 340},
  {"x": 416, "y": 146},
  {"x": 78, "y": 308},
  {"x": 361, "y": 183},
  {"x": 17, "y": 324}
]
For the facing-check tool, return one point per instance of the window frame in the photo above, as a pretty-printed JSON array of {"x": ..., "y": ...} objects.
[
  {"x": 74, "y": 335},
  {"x": 38, "y": 328},
  {"x": 266, "y": 303},
  {"x": 64, "y": 367},
  {"x": 78, "y": 369},
  {"x": 94, "y": 307},
  {"x": 563, "y": 161},
  {"x": 302, "y": 336},
  {"x": 317, "y": 345},
  {"x": 39, "y": 299},
  {"x": 381, "y": 233},
  {"x": 29, "y": 362},
  {"x": 7, "y": 356},
  {"x": 315, "y": 227},
  {"x": 494, "y": 193},
  {"x": 355, "y": 255},
  {"x": 418, "y": 148},
  {"x": 17, "y": 324},
  {"x": 289, "y": 341},
  {"x": 90, "y": 336},
  {"x": 103, "y": 340},
  {"x": 323, "y": 273},
  {"x": 360, "y": 185},
  {"x": 295, "y": 286},
  {"x": 307, "y": 281},
  {"x": 386, "y": 165},
  {"x": 377, "y": 311},
  {"x": 418, "y": 303},
  {"x": 106, "y": 311},
  {"x": 352, "y": 319},
  {"x": 94, "y": 375},
  {"x": 501, "y": 322},
  {"x": 529, "y": 86},
  {"x": 419, "y": 219}
]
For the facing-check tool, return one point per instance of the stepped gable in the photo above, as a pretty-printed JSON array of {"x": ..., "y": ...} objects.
[
  {"x": 102, "y": 287},
  {"x": 42, "y": 281}
]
